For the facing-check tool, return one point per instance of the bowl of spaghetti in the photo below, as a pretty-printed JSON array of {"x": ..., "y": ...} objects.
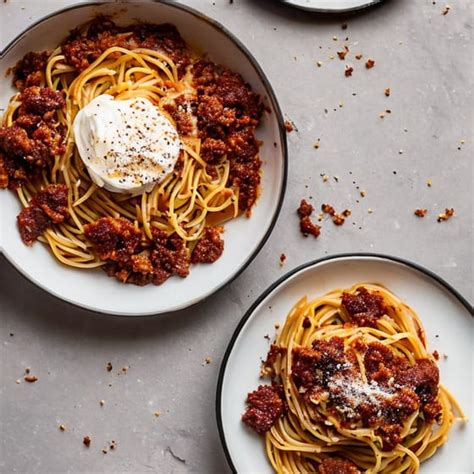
[
  {"x": 141, "y": 142},
  {"x": 346, "y": 365}
]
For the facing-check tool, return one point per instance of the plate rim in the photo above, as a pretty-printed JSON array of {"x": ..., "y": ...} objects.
[
  {"x": 362, "y": 6},
  {"x": 248, "y": 314},
  {"x": 282, "y": 135}
]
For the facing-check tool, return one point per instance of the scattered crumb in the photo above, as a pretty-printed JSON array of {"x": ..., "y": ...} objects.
[
  {"x": 362, "y": 193},
  {"x": 461, "y": 142},
  {"x": 267, "y": 337},
  {"x": 102, "y": 403},
  {"x": 328, "y": 209},
  {"x": 387, "y": 91},
  {"x": 319, "y": 63},
  {"x": 445, "y": 355},
  {"x": 62, "y": 428},
  {"x": 17, "y": 381},
  {"x": 447, "y": 214},
  {"x": 370, "y": 63},
  {"x": 342, "y": 54},
  {"x": 104, "y": 450},
  {"x": 277, "y": 326},
  {"x": 400, "y": 152},
  {"x": 109, "y": 366},
  {"x": 282, "y": 259},
  {"x": 436, "y": 355},
  {"x": 30, "y": 378},
  {"x": 320, "y": 217},
  {"x": 421, "y": 212},
  {"x": 446, "y": 10},
  {"x": 348, "y": 70},
  {"x": 341, "y": 104},
  {"x": 331, "y": 57},
  {"x": 125, "y": 369},
  {"x": 207, "y": 361},
  {"x": 388, "y": 111},
  {"x": 382, "y": 115},
  {"x": 334, "y": 38},
  {"x": 308, "y": 227},
  {"x": 358, "y": 56},
  {"x": 338, "y": 219},
  {"x": 325, "y": 178},
  {"x": 157, "y": 414},
  {"x": 336, "y": 178},
  {"x": 317, "y": 144},
  {"x": 27, "y": 370},
  {"x": 86, "y": 441},
  {"x": 370, "y": 211},
  {"x": 344, "y": 26},
  {"x": 289, "y": 126}
]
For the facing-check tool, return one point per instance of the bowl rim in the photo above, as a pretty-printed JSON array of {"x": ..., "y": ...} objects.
[
  {"x": 248, "y": 314},
  {"x": 282, "y": 136},
  {"x": 318, "y": 9}
]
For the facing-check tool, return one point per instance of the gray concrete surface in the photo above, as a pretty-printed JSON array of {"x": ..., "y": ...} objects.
[{"x": 423, "y": 56}]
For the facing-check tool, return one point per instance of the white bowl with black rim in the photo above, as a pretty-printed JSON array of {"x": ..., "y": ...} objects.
[
  {"x": 244, "y": 237},
  {"x": 330, "y": 6},
  {"x": 444, "y": 313}
]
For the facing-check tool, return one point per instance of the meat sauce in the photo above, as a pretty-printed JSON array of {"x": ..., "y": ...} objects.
[
  {"x": 118, "y": 242},
  {"x": 337, "y": 466},
  {"x": 364, "y": 308},
  {"x": 34, "y": 138},
  {"x": 47, "y": 207},
  {"x": 329, "y": 372},
  {"x": 265, "y": 406},
  {"x": 228, "y": 113},
  {"x": 393, "y": 391},
  {"x": 29, "y": 71},
  {"x": 82, "y": 48},
  {"x": 209, "y": 247}
]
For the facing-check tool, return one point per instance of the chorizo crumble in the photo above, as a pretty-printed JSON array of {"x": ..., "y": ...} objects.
[
  {"x": 47, "y": 207},
  {"x": 265, "y": 406},
  {"x": 447, "y": 214},
  {"x": 338, "y": 219},
  {"x": 421, "y": 212},
  {"x": 33, "y": 139},
  {"x": 337, "y": 466},
  {"x": 307, "y": 226},
  {"x": 370, "y": 63}
]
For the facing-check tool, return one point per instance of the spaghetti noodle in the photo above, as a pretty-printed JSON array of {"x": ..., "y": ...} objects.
[
  {"x": 215, "y": 179},
  {"x": 353, "y": 388}
]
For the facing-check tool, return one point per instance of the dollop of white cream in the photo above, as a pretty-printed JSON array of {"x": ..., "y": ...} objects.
[{"x": 127, "y": 145}]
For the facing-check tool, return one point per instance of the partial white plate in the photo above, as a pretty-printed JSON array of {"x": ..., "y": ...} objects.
[
  {"x": 443, "y": 312},
  {"x": 330, "y": 5},
  {"x": 243, "y": 237}
]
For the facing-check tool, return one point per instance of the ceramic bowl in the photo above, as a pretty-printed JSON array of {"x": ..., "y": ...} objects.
[
  {"x": 244, "y": 237},
  {"x": 445, "y": 314}
]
